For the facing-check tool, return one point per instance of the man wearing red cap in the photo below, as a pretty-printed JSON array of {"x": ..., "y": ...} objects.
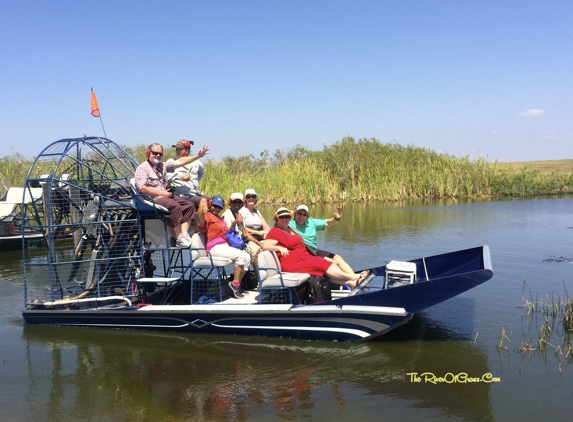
[{"x": 185, "y": 179}]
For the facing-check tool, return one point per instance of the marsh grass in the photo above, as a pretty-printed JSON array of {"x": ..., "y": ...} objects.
[
  {"x": 503, "y": 337},
  {"x": 354, "y": 170},
  {"x": 552, "y": 317},
  {"x": 547, "y": 327}
]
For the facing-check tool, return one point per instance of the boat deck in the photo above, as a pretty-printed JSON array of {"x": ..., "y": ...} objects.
[{"x": 251, "y": 297}]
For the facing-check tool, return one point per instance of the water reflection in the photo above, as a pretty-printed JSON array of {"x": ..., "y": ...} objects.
[{"x": 116, "y": 374}]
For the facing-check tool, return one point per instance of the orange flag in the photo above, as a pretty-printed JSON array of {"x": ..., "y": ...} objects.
[{"x": 95, "y": 107}]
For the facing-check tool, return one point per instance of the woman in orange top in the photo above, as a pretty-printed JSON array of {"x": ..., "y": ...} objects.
[{"x": 215, "y": 228}]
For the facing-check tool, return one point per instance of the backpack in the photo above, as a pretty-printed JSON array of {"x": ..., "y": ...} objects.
[
  {"x": 318, "y": 290},
  {"x": 250, "y": 280}
]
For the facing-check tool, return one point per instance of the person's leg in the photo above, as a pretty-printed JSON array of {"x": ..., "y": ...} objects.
[
  {"x": 175, "y": 214},
  {"x": 253, "y": 250},
  {"x": 239, "y": 273},
  {"x": 187, "y": 214},
  {"x": 241, "y": 259},
  {"x": 342, "y": 264},
  {"x": 185, "y": 228},
  {"x": 337, "y": 259},
  {"x": 337, "y": 276}
]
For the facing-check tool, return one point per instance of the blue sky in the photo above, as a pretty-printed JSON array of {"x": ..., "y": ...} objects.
[{"x": 464, "y": 77}]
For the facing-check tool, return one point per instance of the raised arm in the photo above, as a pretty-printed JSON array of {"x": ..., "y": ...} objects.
[
  {"x": 189, "y": 159},
  {"x": 333, "y": 220},
  {"x": 203, "y": 209}
]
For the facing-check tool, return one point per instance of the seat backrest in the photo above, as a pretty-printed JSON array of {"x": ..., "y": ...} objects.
[
  {"x": 6, "y": 210},
  {"x": 14, "y": 195},
  {"x": 143, "y": 203},
  {"x": 198, "y": 246},
  {"x": 277, "y": 263},
  {"x": 268, "y": 264}
]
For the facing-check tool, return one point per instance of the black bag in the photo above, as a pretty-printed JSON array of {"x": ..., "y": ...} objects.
[
  {"x": 250, "y": 280},
  {"x": 311, "y": 250},
  {"x": 259, "y": 237},
  {"x": 318, "y": 290}
]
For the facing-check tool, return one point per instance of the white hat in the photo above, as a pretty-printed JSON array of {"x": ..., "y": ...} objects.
[
  {"x": 251, "y": 192},
  {"x": 236, "y": 195},
  {"x": 302, "y": 207}
]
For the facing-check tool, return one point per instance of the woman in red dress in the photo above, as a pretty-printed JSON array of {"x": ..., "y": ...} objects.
[{"x": 294, "y": 257}]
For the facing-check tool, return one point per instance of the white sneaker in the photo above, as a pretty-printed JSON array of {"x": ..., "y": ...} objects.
[{"x": 183, "y": 242}]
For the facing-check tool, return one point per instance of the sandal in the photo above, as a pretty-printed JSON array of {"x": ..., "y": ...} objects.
[{"x": 363, "y": 276}]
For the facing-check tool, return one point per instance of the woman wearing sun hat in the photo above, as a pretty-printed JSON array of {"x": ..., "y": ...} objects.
[
  {"x": 215, "y": 229},
  {"x": 252, "y": 218},
  {"x": 255, "y": 225},
  {"x": 294, "y": 257}
]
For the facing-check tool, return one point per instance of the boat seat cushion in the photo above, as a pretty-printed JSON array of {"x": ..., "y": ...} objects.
[
  {"x": 6, "y": 210},
  {"x": 14, "y": 195},
  {"x": 201, "y": 257},
  {"x": 289, "y": 280},
  {"x": 270, "y": 272},
  {"x": 147, "y": 201}
]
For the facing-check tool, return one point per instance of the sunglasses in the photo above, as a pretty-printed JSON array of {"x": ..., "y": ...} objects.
[
  {"x": 303, "y": 214},
  {"x": 217, "y": 207},
  {"x": 251, "y": 196},
  {"x": 157, "y": 153},
  {"x": 237, "y": 201},
  {"x": 284, "y": 216}
]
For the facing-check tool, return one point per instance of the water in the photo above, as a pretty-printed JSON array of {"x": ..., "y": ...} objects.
[{"x": 51, "y": 373}]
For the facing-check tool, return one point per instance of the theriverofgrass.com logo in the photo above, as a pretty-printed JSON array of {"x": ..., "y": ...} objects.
[{"x": 451, "y": 378}]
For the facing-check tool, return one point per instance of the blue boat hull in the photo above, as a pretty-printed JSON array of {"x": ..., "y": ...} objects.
[
  {"x": 305, "y": 326},
  {"x": 364, "y": 316}
]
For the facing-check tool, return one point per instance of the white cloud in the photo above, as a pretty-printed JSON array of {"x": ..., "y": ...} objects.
[{"x": 531, "y": 112}]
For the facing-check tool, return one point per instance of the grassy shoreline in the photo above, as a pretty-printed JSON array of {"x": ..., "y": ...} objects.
[
  {"x": 547, "y": 166},
  {"x": 362, "y": 170}
]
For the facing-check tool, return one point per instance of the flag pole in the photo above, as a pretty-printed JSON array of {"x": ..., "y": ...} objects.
[{"x": 95, "y": 110}]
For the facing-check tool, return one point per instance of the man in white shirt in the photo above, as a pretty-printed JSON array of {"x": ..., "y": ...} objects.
[{"x": 184, "y": 181}]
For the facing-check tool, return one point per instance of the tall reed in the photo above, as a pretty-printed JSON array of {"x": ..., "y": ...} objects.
[{"x": 351, "y": 170}]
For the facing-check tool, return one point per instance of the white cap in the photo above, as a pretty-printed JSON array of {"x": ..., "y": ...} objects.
[
  {"x": 302, "y": 207},
  {"x": 236, "y": 195}
]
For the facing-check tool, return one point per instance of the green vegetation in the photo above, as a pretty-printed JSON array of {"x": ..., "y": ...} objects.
[
  {"x": 547, "y": 327},
  {"x": 14, "y": 168},
  {"x": 363, "y": 170}
]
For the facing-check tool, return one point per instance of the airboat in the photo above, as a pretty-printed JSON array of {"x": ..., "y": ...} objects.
[
  {"x": 108, "y": 259},
  {"x": 13, "y": 204}
]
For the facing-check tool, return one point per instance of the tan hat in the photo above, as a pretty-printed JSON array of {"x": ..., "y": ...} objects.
[{"x": 283, "y": 211}]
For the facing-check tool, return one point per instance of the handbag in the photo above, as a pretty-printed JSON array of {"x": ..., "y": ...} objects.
[
  {"x": 235, "y": 240},
  {"x": 311, "y": 250}
]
